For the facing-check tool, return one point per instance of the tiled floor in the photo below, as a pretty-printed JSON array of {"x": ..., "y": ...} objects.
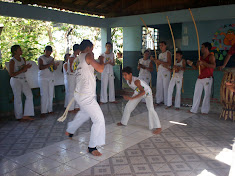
[{"x": 189, "y": 145}]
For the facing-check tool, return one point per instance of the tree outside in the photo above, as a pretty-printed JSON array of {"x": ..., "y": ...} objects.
[{"x": 34, "y": 35}]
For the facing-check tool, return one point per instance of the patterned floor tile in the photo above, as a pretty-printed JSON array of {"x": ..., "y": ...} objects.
[{"x": 131, "y": 150}]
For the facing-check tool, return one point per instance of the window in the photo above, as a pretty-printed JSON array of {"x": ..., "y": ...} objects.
[{"x": 147, "y": 40}]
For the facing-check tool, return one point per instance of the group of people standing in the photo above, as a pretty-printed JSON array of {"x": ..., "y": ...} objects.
[
  {"x": 80, "y": 85},
  {"x": 167, "y": 81},
  {"x": 19, "y": 84}
]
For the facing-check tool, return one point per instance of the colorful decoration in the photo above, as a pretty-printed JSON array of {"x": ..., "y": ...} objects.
[
  {"x": 51, "y": 68},
  {"x": 222, "y": 40},
  {"x": 75, "y": 65}
]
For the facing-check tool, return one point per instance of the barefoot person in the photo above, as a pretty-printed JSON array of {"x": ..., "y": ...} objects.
[
  {"x": 71, "y": 78},
  {"x": 47, "y": 65},
  {"x": 107, "y": 76},
  {"x": 179, "y": 68},
  {"x": 141, "y": 90},
  {"x": 19, "y": 85},
  {"x": 205, "y": 79},
  {"x": 145, "y": 66},
  {"x": 163, "y": 74},
  {"x": 85, "y": 96}
]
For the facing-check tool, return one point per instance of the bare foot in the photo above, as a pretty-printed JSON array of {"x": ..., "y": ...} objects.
[
  {"x": 119, "y": 124},
  {"x": 189, "y": 112},
  {"x": 115, "y": 102},
  {"x": 27, "y": 118},
  {"x": 168, "y": 107},
  {"x": 177, "y": 109},
  {"x": 43, "y": 115},
  {"x": 204, "y": 113},
  {"x": 73, "y": 111},
  {"x": 77, "y": 109},
  {"x": 22, "y": 120},
  {"x": 95, "y": 153},
  {"x": 101, "y": 103},
  {"x": 69, "y": 135},
  {"x": 156, "y": 104},
  {"x": 157, "y": 131},
  {"x": 50, "y": 112}
]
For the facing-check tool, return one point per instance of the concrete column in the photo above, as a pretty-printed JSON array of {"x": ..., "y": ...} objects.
[
  {"x": 132, "y": 39},
  {"x": 105, "y": 37}
]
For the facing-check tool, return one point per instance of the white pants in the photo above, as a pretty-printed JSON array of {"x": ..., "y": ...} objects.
[
  {"x": 152, "y": 114},
  {"x": 201, "y": 84},
  {"x": 66, "y": 93},
  {"x": 47, "y": 93},
  {"x": 163, "y": 79},
  {"x": 90, "y": 109},
  {"x": 18, "y": 86},
  {"x": 178, "y": 82},
  {"x": 145, "y": 78},
  {"x": 107, "y": 79},
  {"x": 71, "y": 88}
]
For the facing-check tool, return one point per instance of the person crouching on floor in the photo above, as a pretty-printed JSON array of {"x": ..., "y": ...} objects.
[{"x": 141, "y": 90}]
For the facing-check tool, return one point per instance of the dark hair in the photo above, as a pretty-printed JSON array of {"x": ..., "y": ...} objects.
[
  {"x": 207, "y": 45},
  {"x": 65, "y": 56},
  {"x": 14, "y": 48},
  {"x": 109, "y": 43},
  {"x": 179, "y": 52},
  {"x": 75, "y": 47},
  {"x": 84, "y": 44},
  {"x": 48, "y": 48},
  {"x": 163, "y": 42},
  {"x": 127, "y": 70},
  {"x": 146, "y": 51}
]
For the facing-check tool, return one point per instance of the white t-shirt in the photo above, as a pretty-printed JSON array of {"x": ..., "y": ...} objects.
[
  {"x": 18, "y": 66},
  {"x": 85, "y": 78},
  {"x": 144, "y": 72},
  {"x": 47, "y": 73},
  {"x": 181, "y": 72},
  {"x": 108, "y": 69},
  {"x": 146, "y": 87},
  {"x": 74, "y": 65},
  {"x": 163, "y": 57}
]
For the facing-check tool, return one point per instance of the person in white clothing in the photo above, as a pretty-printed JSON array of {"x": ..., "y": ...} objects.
[
  {"x": 85, "y": 96},
  {"x": 71, "y": 78},
  {"x": 177, "y": 80},
  {"x": 163, "y": 75},
  {"x": 19, "y": 85},
  {"x": 205, "y": 79},
  {"x": 64, "y": 70},
  {"x": 47, "y": 65},
  {"x": 141, "y": 90},
  {"x": 145, "y": 66},
  {"x": 107, "y": 76}
]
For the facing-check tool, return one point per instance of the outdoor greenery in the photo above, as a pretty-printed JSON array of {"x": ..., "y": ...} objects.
[{"x": 34, "y": 35}]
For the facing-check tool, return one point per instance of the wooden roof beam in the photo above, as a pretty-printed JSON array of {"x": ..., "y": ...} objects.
[{"x": 66, "y": 6}]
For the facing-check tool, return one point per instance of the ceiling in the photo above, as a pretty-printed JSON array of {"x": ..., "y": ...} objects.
[{"x": 117, "y": 8}]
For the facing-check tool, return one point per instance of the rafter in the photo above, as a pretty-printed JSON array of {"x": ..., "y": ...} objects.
[{"x": 67, "y": 6}]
